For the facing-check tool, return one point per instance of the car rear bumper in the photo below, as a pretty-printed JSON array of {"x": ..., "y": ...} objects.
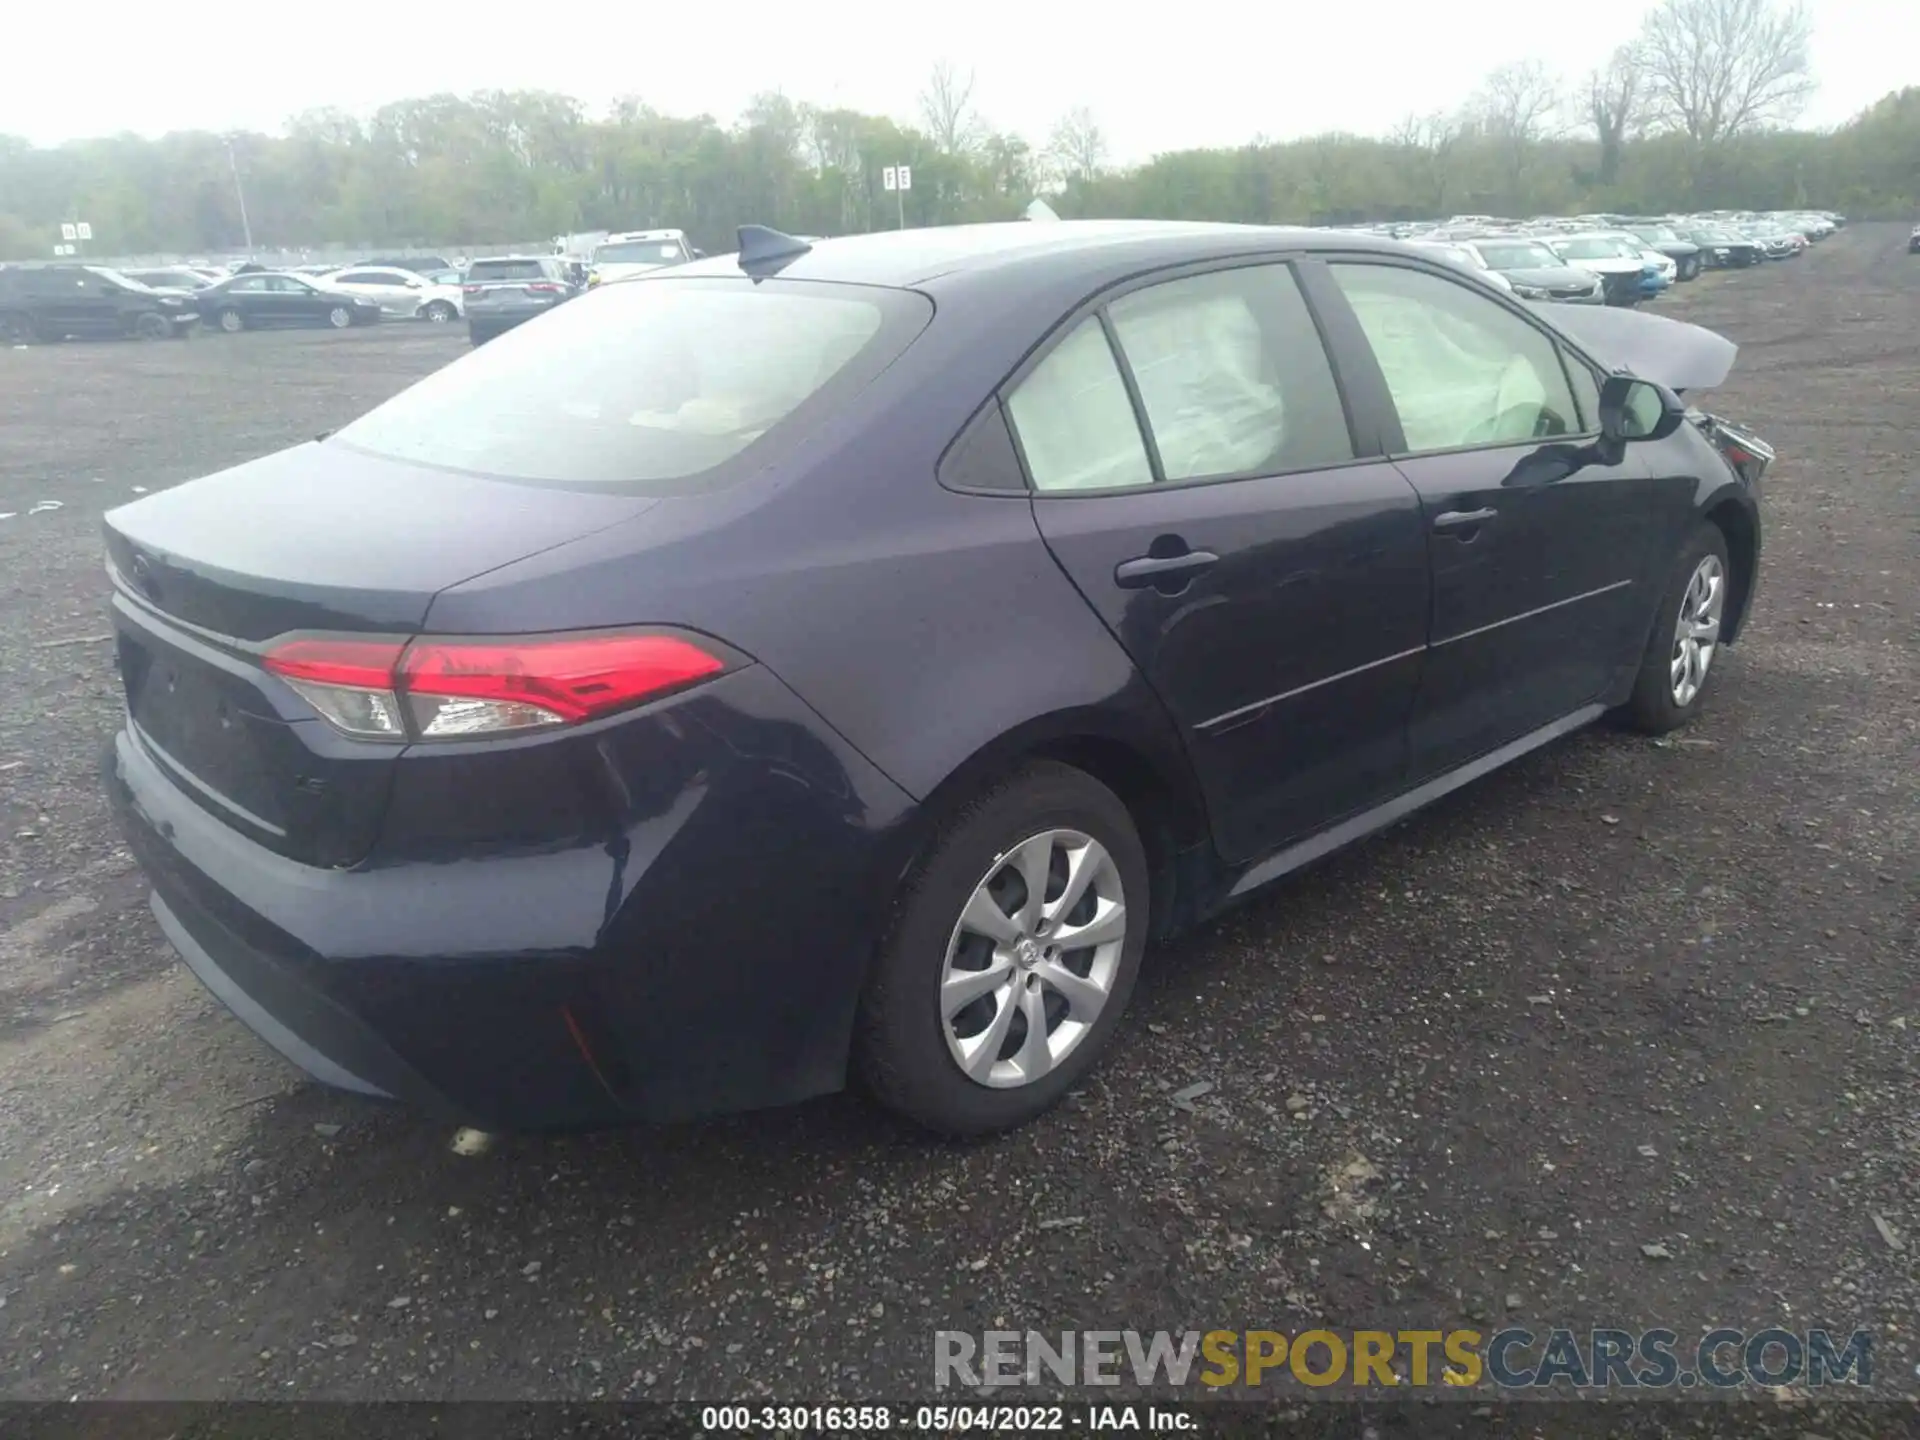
[
  {"x": 500, "y": 316},
  {"x": 697, "y": 947}
]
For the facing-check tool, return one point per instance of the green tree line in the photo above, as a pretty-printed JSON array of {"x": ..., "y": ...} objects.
[{"x": 514, "y": 166}]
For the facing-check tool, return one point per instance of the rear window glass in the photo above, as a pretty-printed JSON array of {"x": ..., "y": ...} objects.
[
  {"x": 506, "y": 270},
  {"x": 639, "y": 252},
  {"x": 654, "y": 385}
]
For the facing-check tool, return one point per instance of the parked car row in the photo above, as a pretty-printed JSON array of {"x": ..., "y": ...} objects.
[
  {"x": 503, "y": 291},
  {"x": 57, "y": 302},
  {"x": 1611, "y": 259},
  {"x": 495, "y": 293}
]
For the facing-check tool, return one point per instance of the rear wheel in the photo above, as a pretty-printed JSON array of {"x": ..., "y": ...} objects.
[
  {"x": 439, "y": 312},
  {"x": 339, "y": 317},
  {"x": 231, "y": 321},
  {"x": 1012, "y": 953},
  {"x": 16, "y": 328},
  {"x": 1685, "y": 642}
]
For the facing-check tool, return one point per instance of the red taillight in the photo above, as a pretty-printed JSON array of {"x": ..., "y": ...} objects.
[
  {"x": 364, "y": 664},
  {"x": 545, "y": 287},
  {"x": 575, "y": 679},
  {"x": 440, "y": 688},
  {"x": 469, "y": 289}
]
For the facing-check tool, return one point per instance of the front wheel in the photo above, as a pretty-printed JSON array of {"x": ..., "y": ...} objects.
[
  {"x": 339, "y": 317},
  {"x": 1680, "y": 653},
  {"x": 438, "y": 312},
  {"x": 152, "y": 326},
  {"x": 16, "y": 329},
  {"x": 1012, "y": 953}
]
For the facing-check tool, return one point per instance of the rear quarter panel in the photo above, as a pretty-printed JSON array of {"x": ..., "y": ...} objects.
[{"x": 922, "y": 624}]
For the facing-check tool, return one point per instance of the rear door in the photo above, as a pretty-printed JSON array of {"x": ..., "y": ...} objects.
[
  {"x": 1541, "y": 555},
  {"x": 1195, "y": 475},
  {"x": 397, "y": 292}
]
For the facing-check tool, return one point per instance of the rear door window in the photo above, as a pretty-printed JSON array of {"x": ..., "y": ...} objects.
[
  {"x": 1232, "y": 375},
  {"x": 663, "y": 386},
  {"x": 1076, "y": 425}
]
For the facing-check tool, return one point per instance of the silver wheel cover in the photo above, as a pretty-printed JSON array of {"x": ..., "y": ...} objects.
[{"x": 1031, "y": 963}]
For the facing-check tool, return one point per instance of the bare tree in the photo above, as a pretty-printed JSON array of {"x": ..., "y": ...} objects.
[
  {"x": 947, "y": 106},
  {"x": 1077, "y": 148},
  {"x": 1518, "y": 107},
  {"x": 1613, "y": 106},
  {"x": 1520, "y": 102},
  {"x": 1716, "y": 68},
  {"x": 1423, "y": 144}
]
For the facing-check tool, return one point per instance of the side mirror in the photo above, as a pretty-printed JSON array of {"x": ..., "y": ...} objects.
[{"x": 1635, "y": 409}]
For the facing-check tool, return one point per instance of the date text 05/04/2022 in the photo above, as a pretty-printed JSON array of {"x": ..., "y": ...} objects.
[{"x": 942, "y": 1419}]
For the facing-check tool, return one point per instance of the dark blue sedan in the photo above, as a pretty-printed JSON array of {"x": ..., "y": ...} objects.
[{"x": 846, "y": 657}]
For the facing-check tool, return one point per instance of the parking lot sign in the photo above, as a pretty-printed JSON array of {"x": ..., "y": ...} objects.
[
  {"x": 905, "y": 173},
  {"x": 67, "y": 232},
  {"x": 86, "y": 231},
  {"x": 890, "y": 178}
]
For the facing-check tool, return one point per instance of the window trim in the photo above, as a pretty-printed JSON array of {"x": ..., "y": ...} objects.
[
  {"x": 1156, "y": 467},
  {"x": 1365, "y": 447},
  {"x": 990, "y": 407},
  {"x": 1391, "y": 435}
]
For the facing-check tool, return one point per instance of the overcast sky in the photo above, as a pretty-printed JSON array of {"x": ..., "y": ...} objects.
[{"x": 1156, "y": 76}]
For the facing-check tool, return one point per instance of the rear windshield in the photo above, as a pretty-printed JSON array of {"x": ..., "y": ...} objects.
[
  {"x": 1595, "y": 249},
  {"x": 640, "y": 252},
  {"x": 654, "y": 385},
  {"x": 1518, "y": 255},
  {"x": 506, "y": 270}
]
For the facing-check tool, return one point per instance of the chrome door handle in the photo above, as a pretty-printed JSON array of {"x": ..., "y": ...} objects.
[{"x": 1459, "y": 519}]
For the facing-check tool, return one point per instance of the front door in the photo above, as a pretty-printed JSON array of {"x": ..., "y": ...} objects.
[
  {"x": 1541, "y": 554},
  {"x": 1194, "y": 475},
  {"x": 294, "y": 302},
  {"x": 78, "y": 303}
]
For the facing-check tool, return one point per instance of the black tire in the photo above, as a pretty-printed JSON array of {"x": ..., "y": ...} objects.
[
  {"x": 340, "y": 317},
  {"x": 151, "y": 325},
  {"x": 17, "y": 328},
  {"x": 1653, "y": 708},
  {"x": 230, "y": 320},
  {"x": 900, "y": 1044},
  {"x": 437, "y": 312}
]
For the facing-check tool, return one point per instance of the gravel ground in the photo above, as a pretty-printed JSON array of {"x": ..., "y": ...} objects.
[{"x": 1625, "y": 994}]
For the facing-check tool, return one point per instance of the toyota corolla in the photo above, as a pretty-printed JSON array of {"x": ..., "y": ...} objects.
[{"x": 844, "y": 658}]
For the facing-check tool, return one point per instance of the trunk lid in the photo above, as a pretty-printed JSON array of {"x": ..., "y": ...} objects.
[{"x": 318, "y": 538}]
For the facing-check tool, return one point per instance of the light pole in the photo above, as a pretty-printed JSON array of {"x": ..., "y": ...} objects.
[{"x": 240, "y": 194}]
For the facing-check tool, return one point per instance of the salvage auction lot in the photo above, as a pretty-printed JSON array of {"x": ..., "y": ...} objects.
[{"x": 1625, "y": 1035}]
